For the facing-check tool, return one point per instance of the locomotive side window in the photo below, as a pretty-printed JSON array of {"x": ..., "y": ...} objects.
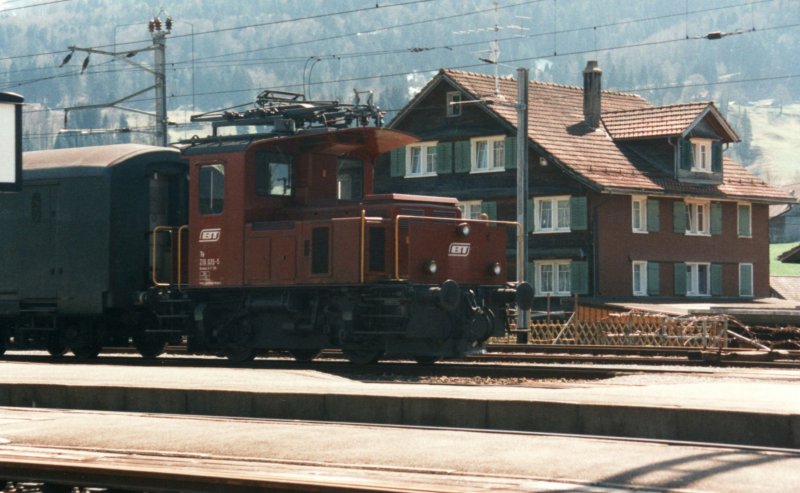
[
  {"x": 212, "y": 188},
  {"x": 349, "y": 179},
  {"x": 273, "y": 175}
]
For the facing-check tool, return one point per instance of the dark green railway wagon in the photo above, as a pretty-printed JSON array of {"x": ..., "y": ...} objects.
[{"x": 76, "y": 241}]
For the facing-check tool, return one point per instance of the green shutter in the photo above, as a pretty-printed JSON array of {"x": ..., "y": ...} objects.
[
  {"x": 745, "y": 229},
  {"x": 531, "y": 274},
  {"x": 679, "y": 217},
  {"x": 745, "y": 280},
  {"x": 653, "y": 278},
  {"x": 511, "y": 152},
  {"x": 716, "y": 157},
  {"x": 530, "y": 219},
  {"x": 579, "y": 276},
  {"x": 680, "y": 278},
  {"x": 716, "y": 279},
  {"x": 461, "y": 152},
  {"x": 686, "y": 158},
  {"x": 490, "y": 209},
  {"x": 578, "y": 213},
  {"x": 397, "y": 159},
  {"x": 716, "y": 218},
  {"x": 444, "y": 158},
  {"x": 653, "y": 224}
]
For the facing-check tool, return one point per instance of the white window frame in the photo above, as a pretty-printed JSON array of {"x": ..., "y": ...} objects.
[
  {"x": 492, "y": 143},
  {"x": 701, "y": 155},
  {"x": 752, "y": 293},
  {"x": 641, "y": 275},
  {"x": 749, "y": 219},
  {"x": 639, "y": 215},
  {"x": 698, "y": 217},
  {"x": 471, "y": 209},
  {"x": 558, "y": 223},
  {"x": 453, "y": 103},
  {"x": 557, "y": 269},
  {"x": 693, "y": 287},
  {"x": 426, "y": 168}
]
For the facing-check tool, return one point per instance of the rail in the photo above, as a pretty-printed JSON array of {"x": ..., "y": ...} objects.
[{"x": 400, "y": 217}]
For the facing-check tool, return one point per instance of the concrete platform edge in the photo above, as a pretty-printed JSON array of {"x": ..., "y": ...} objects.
[{"x": 729, "y": 427}]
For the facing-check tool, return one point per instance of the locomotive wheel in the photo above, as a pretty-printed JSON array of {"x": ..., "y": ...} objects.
[
  {"x": 241, "y": 354},
  {"x": 150, "y": 347},
  {"x": 56, "y": 348},
  {"x": 362, "y": 356},
  {"x": 425, "y": 360},
  {"x": 304, "y": 355}
]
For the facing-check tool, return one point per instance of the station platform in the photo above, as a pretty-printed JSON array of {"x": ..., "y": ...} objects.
[{"x": 747, "y": 407}]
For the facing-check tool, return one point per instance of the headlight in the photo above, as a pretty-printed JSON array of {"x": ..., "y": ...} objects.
[
  {"x": 431, "y": 267},
  {"x": 463, "y": 229},
  {"x": 496, "y": 269}
]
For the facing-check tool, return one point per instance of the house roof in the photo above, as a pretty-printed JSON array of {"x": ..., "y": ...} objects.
[
  {"x": 556, "y": 129},
  {"x": 791, "y": 256},
  {"x": 664, "y": 121},
  {"x": 787, "y": 287}
]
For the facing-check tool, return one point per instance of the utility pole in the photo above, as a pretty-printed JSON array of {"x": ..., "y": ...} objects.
[
  {"x": 522, "y": 193},
  {"x": 158, "y": 31}
]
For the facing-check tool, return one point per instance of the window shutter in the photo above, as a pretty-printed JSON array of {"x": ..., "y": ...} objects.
[
  {"x": 653, "y": 216},
  {"x": 716, "y": 279},
  {"x": 511, "y": 152},
  {"x": 397, "y": 158},
  {"x": 461, "y": 151},
  {"x": 716, "y": 157},
  {"x": 679, "y": 217},
  {"x": 579, "y": 276},
  {"x": 444, "y": 158},
  {"x": 531, "y": 274},
  {"x": 686, "y": 158},
  {"x": 716, "y": 218},
  {"x": 680, "y": 278},
  {"x": 530, "y": 219},
  {"x": 577, "y": 214},
  {"x": 744, "y": 221},
  {"x": 490, "y": 208},
  {"x": 745, "y": 280},
  {"x": 653, "y": 278}
]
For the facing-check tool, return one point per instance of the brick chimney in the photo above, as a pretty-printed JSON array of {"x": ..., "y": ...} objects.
[{"x": 591, "y": 94}]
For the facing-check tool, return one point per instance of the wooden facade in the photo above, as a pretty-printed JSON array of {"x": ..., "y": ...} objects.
[{"x": 698, "y": 229}]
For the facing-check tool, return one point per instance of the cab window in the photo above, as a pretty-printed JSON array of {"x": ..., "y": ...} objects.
[
  {"x": 349, "y": 179},
  {"x": 273, "y": 175},
  {"x": 212, "y": 188}
]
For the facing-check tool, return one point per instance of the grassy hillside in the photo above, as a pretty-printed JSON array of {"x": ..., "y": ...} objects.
[
  {"x": 775, "y": 138},
  {"x": 778, "y": 268}
]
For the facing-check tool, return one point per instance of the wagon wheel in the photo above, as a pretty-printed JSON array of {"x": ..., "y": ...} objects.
[
  {"x": 86, "y": 339},
  {"x": 3, "y": 341},
  {"x": 240, "y": 354},
  {"x": 426, "y": 360},
  {"x": 304, "y": 355},
  {"x": 362, "y": 355}
]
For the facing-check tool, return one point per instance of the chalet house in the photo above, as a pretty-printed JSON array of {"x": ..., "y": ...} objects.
[{"x": 627, "y": 200}]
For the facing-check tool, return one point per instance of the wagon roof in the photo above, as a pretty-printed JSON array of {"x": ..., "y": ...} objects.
[{"x": 92, "y": 157}]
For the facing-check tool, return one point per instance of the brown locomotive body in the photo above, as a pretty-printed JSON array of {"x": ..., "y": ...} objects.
[{"x": 288, "y": 249}]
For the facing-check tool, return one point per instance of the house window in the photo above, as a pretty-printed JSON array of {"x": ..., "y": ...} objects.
[
  {"x": 552, "y": 277},
  {"x": 488, "y": 153},
  {"x": 454, "y": 104},
  {"x": 698, "y": 279},
  {"x": 471, "y": 209},
  {"x": 745, "y": 279},
  {"x": 745, "y": 221},
  {"x": 552, "y": 214},
  {"x": 701, "y": 155},
  {"x": 639, "y": 278},
  {"x": 421, "y": 159},
  {"x": 212, "y": 188},
  {"x": 639, "y": 214},
  {"x": 698, "y": 218}
]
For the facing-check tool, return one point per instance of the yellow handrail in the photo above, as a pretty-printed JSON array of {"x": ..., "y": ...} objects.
[
  {"x": 171, "y": 230},
  {"x": 444, "y": 219}
]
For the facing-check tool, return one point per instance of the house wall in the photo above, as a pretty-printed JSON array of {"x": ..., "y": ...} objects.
[{"x": 618, "y": 246}]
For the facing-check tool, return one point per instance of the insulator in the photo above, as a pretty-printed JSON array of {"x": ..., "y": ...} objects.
[
  {"x": 168, "y": 24},
  {"x": 157, "y": 23},
  {"x": 151, "y": 26}
]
